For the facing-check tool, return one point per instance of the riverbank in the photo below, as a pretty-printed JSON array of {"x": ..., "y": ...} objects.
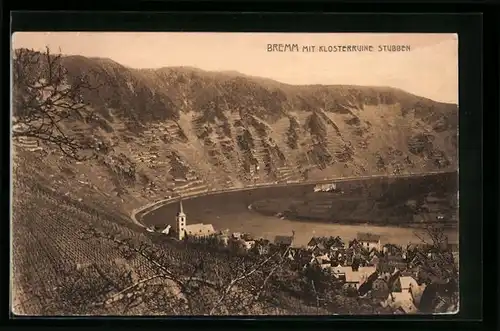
[
  {"x": 138, "y": 213},
  {"x": 229, "y": 210},
  {"x": 415, "y": 203},
  {"x": 323, "y": 217},
  {"x": 419, "y": 226}
]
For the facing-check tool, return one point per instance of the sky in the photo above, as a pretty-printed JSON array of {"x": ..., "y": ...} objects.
[{"x": 429, "y": 69}]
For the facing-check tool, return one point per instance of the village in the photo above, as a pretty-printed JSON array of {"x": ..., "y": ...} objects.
[{"x": 391, "y": 274}]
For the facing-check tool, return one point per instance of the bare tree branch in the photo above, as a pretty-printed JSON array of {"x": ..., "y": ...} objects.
[{"x": 45, "y": 99}]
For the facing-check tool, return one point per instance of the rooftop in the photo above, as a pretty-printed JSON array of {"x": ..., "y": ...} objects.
[
  {"x": 316, "y": 240},
  {"x": 340, "y": 269},
  {"x": 400, "y": 296},
  {"x": 403, "y": 300},
  {"x": 247, "y": 237},
  {"x": 200, "y": 229},
  {"x": 322, "y": 258},
  {"x": 180, "y": 211},
  {"x": 359, "y": 276},
  {"x": 407, "y": 282}
]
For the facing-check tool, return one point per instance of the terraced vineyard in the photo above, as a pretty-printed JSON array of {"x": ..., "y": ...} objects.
[{"x": 47, "y": 240}]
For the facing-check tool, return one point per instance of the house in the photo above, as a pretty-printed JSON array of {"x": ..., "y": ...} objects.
[
  {"x": 283, "y": 240},
  {"x": 223, "y": 239},
  {"x": 354, "y": 244},
  {"x": 336, "y": 248},
  {"x": 391, "y": 249},
  {"x": 323, "y": 261},
  {"x": 385, "y": 270},
  {"x": 406, "y": 283},
  {"x": 402, "y": 301},
  {"x": 367, "y": 270},
  {"x": 322, "y": 257},
  {"x": 291, "y": 254},
  {"x": 359, "y": 260},
  {"x": 248, "y": 244},
  {"x": 369, "y": 241},
  {"x": 262, "y": 246},
  {"x": 396, "y": 261},
  {"x": 246, "y": 237},
  {"x": 409, "y": 272},
  {"x": 166, "y": 230},
  {"x": 319, "y": 249},
  {"x": 337, "y": 254},
  {"x": 355, "y": 278},
  {"x": 312, "y": 243},
  {"x": 339, "y": 272},
  {"x": 315, "y": 241},
  {"x": 335, "y": 244},
  {"x": 241, "y": 244},
  {"x": 393, "y": 281}
]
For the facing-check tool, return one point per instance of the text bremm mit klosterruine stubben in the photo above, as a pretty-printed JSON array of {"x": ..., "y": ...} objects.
[{"x": 336, "y": 48}]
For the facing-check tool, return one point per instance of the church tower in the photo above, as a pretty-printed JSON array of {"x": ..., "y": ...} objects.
[{"x": 180, "y": 222}]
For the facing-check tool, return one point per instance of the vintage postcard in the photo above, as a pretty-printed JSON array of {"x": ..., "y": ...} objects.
[{"x": 234, "y": 174}]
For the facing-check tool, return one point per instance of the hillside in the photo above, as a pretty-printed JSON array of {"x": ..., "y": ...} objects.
[
  {"x": 184, "y": 130},
  {"x": 60, "y": 268}
]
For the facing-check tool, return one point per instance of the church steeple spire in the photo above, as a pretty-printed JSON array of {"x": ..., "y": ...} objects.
[{"x": 180, "y": 211}]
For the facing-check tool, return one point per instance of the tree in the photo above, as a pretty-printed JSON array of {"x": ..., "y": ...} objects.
[
  {"x": 368, "y": 284},
  {"x": 441, "y": 264},
  {"x": 439, "y": 270},
  {"x": 180, "y": 279},
  {"x": 44, "y": 99}
]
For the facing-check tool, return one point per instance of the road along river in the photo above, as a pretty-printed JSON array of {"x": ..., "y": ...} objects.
[{"x": 229, "y": 210}]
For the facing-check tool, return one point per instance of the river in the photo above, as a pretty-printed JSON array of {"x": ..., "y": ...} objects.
[{"x": 229, "y": 210}]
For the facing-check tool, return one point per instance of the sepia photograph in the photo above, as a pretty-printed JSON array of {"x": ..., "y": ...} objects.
[{"x": 234, "y": 174}]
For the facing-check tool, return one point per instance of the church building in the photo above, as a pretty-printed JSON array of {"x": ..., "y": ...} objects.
[{"x": 193, "y": 230}]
